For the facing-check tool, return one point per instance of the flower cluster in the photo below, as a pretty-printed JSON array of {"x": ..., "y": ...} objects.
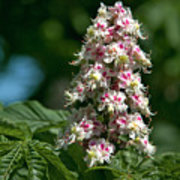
[
  {"x": 108, "y": 90},
  {"x": 99, "y": 151}
]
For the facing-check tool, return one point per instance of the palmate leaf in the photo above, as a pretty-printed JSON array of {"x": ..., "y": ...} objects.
[
  {"x": 37, "y": 117},
  {"x": 34, "y": 157},
  {"x": 44, "y": 150},
  {"x": 37, "y": 165},
  {"x": 10, "y": 161},
  {"x": 22, "y": 157}
]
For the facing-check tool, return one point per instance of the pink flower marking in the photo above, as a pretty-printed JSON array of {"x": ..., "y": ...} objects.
[
  {"x": 111, "y": 31},
  {"x": 99, "y": 67},
  {"x": 127, "y": 22},
  {"x": 101, "y": 26},
  {"x": 124, "y": 76},
  {"x": 88, "y": 49},
  {"x": 103, "y": 99},
  {"x": 93, "y": 143},
  {"x": 129, "y": 75},
  {"x": 115, "y": 98},
  {"x": 104, "y": 74},
  {"x": 123, "y": 121},
  {"x": 121, "y": 46},
  {"x": 122, "y": 10},
  {"x": 96, "y": 123},
  {"x": 138, "y": 49},
  {"x": 102, "y": 146},
  {"x": 136, "y": 97},
  {"x": 145, "y": 142},
  {"x": 117, "y": 28},
  {"x": 79, "y": 89}
]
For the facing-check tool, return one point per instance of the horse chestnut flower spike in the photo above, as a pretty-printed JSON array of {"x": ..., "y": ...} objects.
[{"x": 112, "y": 99}]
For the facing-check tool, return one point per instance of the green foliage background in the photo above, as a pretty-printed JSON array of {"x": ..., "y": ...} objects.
[{"x": 52, "y": 30}]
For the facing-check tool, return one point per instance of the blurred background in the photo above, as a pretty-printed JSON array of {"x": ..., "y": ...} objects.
[{"x": 39, "y": 37}]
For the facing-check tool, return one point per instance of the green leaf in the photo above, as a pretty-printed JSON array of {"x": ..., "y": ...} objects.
[
  {"x": 167, "y": 165},
  {"x": 130, "y": 165},
  {"x": 124, "y": 138},
  {"x": 6, "y": 147},
  {"x": 17, "y": 130},
  {"x": 23, "y": 121},
  {"x": 3, "y": 138},
  {"x": 73, "y": 158},
  {"x": 37, "y": 165},
  {"x": 10, "y": 162},
  {"x": 96, "y": 168},
  {"x": 20, "y": 174},
  {"x": 104, "y": 170},
  {"x": 76, "y": 156},
  {"x": 125, "y": 165},
  {"x": 37, "y": 117},
  {"x": 96, "y": 175},
  {"x": 125, "y": 160},
  {"x": 44, "y": 150}
]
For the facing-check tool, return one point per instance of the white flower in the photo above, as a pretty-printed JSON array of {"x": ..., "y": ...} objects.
[
  {"x": 99, "y": 152},
  {"x": 94, "y": 51},
  {"x": 97, "y": 75},
  {"x": 85, "y": 129},
  {"x": 118, "y": 9},
  {"x": 78, "y": 93},
  {"x": 102, "y": 11},
  {"x": 141, "y": 103},
  {"x": 114, "y": 101},
  {"x": 136, "y": 126},
  {"x": 118, "y": 126},
  {"x": 141, "y": 57},
  {"x": 130, "y": 82},
  {"x": 146, "y": 146}
]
